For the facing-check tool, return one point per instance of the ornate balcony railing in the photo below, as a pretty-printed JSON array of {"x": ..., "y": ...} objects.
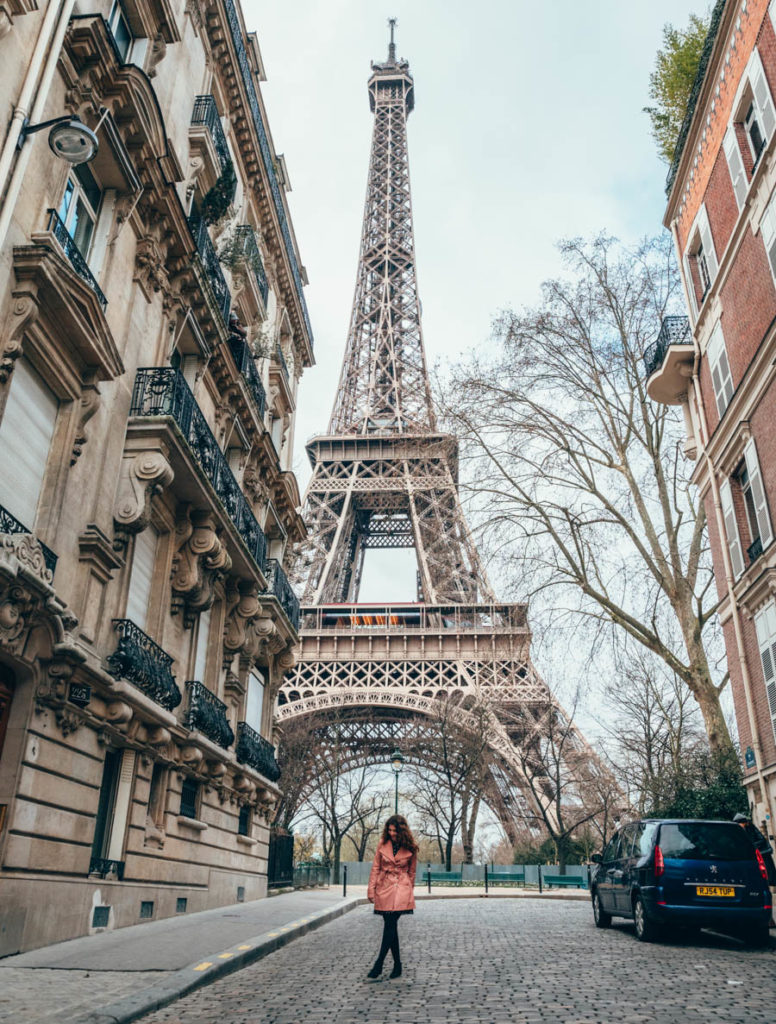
[
  {"x": 206, "y": 113},
  {"x": 281, "y": 588},
  {"x": 207, "y": 714},
  {"x": 754, "y": 550},
  {"x": 209, "y": 257},
  {"x": 162, "y": 391},
  {"x": 104, "y": 868},
  {"x": 245, "y": 243},
  {"x": 266, "y": 154},
  {"x": 256, "y": 752},
  {"x": 73, "y": 253},
  {"x": 675, "y": 330},
  {"x": 242, "y": 356},
  {"x": 10, "y": 524},
  {"x": 280, "y": 359},
  {"x": 141, "y": 661}
]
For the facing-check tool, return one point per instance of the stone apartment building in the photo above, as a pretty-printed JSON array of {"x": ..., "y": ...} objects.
[
  {"x": 719, "y": 363},
  {"x": 153, "y": 330}
]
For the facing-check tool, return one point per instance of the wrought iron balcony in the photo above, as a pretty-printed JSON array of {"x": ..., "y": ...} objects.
[
  {"x": 10, "y": 524},
  {"x": 675, "y": 330},
  {"x": 245, "y": 244},
  {"x": 73, "y": 253},
  {"x": 103, "y": 868},
  {"x": 206, "y": 113},
  {"x": 207, "y": 714},
  {"x": 281, "y": 588},
  {"x": 209, "y": 257},
  {"x": 281, "y": 361},
  {"x": 266, "y": 154},
  {"x": 754, "y": 550},
  {"x": 141, "y": 661},
  {"x": 162, "y": 391},
  {"x": 256, "y": 752},
  {"x": 242, "y": 356}
]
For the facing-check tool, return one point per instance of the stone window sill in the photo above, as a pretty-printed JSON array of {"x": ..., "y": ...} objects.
[
  {"x": 246, "y": 840},
  {"x": 193, "y": 823}
]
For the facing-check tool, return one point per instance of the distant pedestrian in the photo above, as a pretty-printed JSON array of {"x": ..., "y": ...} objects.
[{"x": 392, "y": 887}]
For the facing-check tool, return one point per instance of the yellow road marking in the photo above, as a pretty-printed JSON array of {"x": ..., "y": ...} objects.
[
  {"x": 203, "y": 966},
  {"x": 273, "y": 935},
  {"x": 224, "y": 956},
  {"x": 245, "y": 947}
]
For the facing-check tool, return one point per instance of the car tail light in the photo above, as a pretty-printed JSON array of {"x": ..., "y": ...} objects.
[
  {"x": 761, "y": 865},
  {"x": 659, "y": 862}
]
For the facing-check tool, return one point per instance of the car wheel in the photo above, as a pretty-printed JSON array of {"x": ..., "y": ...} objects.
[
  {"x": 601, "y": 918},
  {"x": 646, "y": 930},
  {"x": 757, "y": 935}
]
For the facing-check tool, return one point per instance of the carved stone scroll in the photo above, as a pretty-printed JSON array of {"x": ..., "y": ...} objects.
[
  {"x": 143, "y": 474},
  {"x": 200, "y": 561}
]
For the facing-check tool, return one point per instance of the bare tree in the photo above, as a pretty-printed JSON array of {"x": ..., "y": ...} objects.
[
  {"x": 369, "y": 825},
  {"x": 578, "y": 476}
]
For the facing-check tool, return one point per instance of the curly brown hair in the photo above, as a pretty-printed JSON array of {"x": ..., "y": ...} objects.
[{"x": 405, "y": 838}]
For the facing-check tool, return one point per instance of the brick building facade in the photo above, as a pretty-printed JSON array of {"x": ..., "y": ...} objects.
[
  {"x": 719, "y": 365},
  {"x": 153, "y": 330}
]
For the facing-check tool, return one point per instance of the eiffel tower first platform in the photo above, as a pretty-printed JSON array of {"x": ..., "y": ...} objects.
[{"x": 385, "y": 476}]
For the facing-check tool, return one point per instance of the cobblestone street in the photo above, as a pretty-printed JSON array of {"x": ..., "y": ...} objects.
[{"x": 470, "y": 961}]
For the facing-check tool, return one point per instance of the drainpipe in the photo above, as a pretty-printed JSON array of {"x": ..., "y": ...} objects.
[
  {"x": 32, "y": 100},
  {"x": 728, "y": 565}
]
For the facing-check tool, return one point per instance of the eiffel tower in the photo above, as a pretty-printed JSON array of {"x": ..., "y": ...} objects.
[{"x": 385, "y": 476}]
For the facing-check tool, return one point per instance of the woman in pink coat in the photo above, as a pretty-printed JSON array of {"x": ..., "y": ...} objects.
[{"x": 392, "y": 887}]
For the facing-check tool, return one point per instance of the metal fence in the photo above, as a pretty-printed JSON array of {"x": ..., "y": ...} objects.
[{"x": 473, "y": 874}]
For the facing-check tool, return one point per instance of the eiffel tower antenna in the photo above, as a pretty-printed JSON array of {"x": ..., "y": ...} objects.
[{"x": 385, "y": 476}]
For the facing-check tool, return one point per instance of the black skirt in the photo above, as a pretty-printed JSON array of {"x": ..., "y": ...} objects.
[{"x": 393, "y": 913}]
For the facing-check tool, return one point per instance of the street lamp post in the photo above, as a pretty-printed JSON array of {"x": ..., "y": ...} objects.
[{"x": 396, "y": 763}]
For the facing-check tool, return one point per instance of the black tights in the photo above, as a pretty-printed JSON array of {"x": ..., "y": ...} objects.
[{"x": 390, "y": 938}]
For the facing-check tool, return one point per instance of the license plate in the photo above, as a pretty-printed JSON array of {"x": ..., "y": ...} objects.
[{"x": 714, "y": 890}]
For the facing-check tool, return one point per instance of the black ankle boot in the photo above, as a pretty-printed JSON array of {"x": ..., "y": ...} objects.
[
  {"x": 396, "y": 972},
  {"x": 376, "y": 971}
]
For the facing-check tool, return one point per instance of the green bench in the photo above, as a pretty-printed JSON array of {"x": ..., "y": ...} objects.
[
  {"x": 506, "y": 878},
  {"x": 443, "y": 877},
  {"x": 565, "y": 880}
]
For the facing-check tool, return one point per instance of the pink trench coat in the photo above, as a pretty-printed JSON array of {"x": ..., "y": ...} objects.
[{"x": 392, "y": 879}]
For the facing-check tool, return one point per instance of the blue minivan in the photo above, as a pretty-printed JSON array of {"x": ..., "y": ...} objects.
[{"x": 686, "y": 873}]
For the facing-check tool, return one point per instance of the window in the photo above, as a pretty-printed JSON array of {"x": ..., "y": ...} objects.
[
  {"x": 26, "y": 433},
  {"x": 200, "y": 657},
  {"x": 80, "y": 208},
  {"x": 141, "y": 577},
  {"x": 721, "y": 378},
  {"x": 762, "y": 117},
  {"x": 700, "y": 261},
  {"x": 612, "y": 851},
  {"x": 156, "y": 793},
  {"x": 765, "y": 626},
  {"x": 758, "y": 518},
  {"x": 731, "y": 528},
  {"x": 244, "y": 821},
  {"x": 189, "y": 793},
  {"x": 254, "y": 704},
  {"x": 106, "y": 804},
  {"x": 753, "y": 133},
  {"x": 120, "y": 30}
]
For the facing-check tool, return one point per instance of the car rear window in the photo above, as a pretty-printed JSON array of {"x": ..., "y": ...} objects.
[{"x": 690, "y": 840}]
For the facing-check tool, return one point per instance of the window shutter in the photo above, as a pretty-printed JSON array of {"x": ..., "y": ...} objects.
[
  {"x": 736, "y": 166},
  {"x": 758, "y": 493},
  {"x": 704, "y": 229},
  {"x": 255, "y": 701},
  {"x": 765, "y": 626},
  {"x": 200, "y": 659},
  {"x": 719, "y": 366},
  {"x": 768, "y": 232},
  {"x": 141, "y": 578},
  {"x": 26, "y": 433},
  {"x": 731, "y": 528},
  {"x": 690, "y": 289},
  {"x": 762, "y": 96}
]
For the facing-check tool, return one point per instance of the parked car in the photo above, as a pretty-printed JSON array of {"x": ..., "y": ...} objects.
[{"x": 687, "y": 873}]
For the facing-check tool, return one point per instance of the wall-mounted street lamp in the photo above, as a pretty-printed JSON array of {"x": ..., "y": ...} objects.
[
  {"x": 397, "y": 761},
  {"x": 68, "y": 139}
]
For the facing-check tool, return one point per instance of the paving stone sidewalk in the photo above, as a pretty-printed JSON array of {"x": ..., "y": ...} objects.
[{"x": 474, "y": 961}]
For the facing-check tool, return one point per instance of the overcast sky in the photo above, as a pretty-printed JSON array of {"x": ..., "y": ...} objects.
[{"x": 528, "y": 127}]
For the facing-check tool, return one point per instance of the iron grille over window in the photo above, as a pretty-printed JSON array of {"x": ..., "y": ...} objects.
[
  {"x": 207, "y": 714},
  {"x": 10, "y": 524},
  {"x": 141, "y": 661},
  {"x": 281, "y": 588},
  {"x": 71, "y": 250},
  {"x": 253, "y": 750},
  {"x": 162, "y": 391},
  {"x": 241, "y": 353},
  {"x": 206, "y": 113}
]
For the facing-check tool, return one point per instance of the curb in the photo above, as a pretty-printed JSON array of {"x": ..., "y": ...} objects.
[
  {"x": 179, "y": 983},
  {"x": 582, "y": 895}
]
